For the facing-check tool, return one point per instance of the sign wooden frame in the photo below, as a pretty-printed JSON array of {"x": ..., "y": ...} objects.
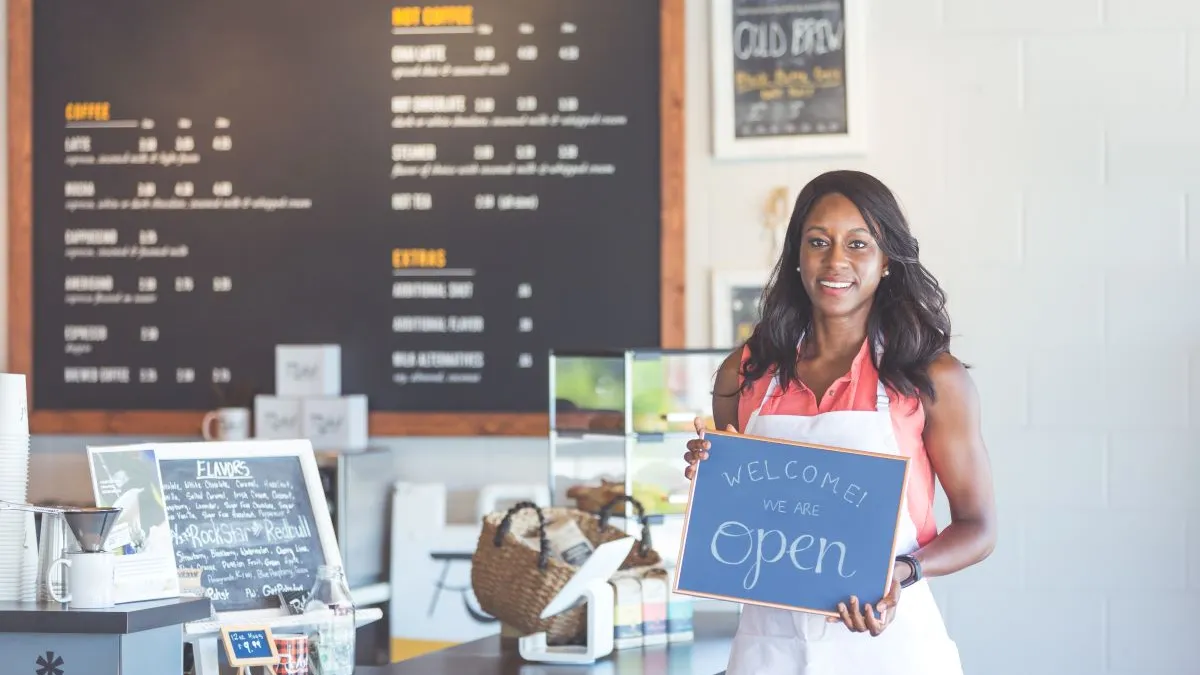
[
  {"x": 726, "y": 145},
  {"x": 256, "y": 449},
  {"x": 243, "y": 663},
  {"x": 688, "y": 512},
  {"x": 187, "y": 422}
]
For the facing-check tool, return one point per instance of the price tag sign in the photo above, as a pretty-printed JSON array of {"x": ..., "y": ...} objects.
[{"x": 249, "y": 646}]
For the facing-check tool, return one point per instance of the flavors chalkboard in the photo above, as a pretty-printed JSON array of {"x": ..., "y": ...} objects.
[
  {"x": 245, "y": 514},
  {"x": 442, "y": 189}
]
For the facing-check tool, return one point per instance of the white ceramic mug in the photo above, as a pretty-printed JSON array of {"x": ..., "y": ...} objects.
[
  {"x": 226, "y": 424},
  {"x": 89, "y": 579}
]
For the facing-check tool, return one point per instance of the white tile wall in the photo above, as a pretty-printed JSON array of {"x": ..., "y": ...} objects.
[
  {"x": 1150, "y": 13},
  {"x": 1193, "y": 554},
  {"x": 1092, "y": 71},
  {"x": 1026, "y": 631},
  {"x": 1155, "y": 470},
  {"x": 1019, "y": 16},
  {"x": 1160, "y": 150},
  {"x": 1139, "y": 644},
  {"x": 1193, "y": 67},
  {"x": 1048, "y": 152},
  {"x": 1191, "y": 205}
]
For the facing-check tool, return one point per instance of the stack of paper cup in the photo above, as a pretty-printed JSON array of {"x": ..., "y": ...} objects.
[{"x": 14, "y": 484}]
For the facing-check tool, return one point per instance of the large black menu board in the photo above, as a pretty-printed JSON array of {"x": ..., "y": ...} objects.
[
  {"x": 247, "y": 524},
  {"x": 789, "y": 67},
  {"x": 447, "y": 191}
]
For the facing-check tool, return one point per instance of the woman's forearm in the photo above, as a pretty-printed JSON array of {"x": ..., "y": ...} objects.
[{"x": 963, "y": 543}]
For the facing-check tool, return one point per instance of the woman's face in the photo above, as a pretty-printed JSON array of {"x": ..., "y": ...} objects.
[{"x": 840, "y": 262}]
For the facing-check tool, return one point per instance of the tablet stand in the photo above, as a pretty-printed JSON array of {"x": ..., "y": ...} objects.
[
  {"x": 589, "y": 585},
  {"x": 599, "y": 640}
]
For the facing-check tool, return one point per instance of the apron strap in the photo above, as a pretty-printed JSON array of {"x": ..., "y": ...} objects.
[
  {"x": 771, "y": 387},
  {"x": 767, "y": 395},
  {"x": 881, "y": 396}
]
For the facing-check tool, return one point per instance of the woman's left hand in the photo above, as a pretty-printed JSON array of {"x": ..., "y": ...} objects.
[{"x": 861, "y": 618}]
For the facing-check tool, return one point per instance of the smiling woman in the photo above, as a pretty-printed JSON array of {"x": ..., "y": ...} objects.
[
  {"x": 846, "y": 236},
  {"x": 853, "y": 351}
]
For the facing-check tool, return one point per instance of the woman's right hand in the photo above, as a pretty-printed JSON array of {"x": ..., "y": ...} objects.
[{"x": 698, "y": 449}]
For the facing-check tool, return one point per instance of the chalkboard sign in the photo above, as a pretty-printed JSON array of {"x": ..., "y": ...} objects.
[
  {"x": 787, "y": 76},
  {"x": 249, "y": 646},
  {"x": 441, "y": 189},
  {"x": 247, "y": 523},
  {"x": 786, "y": 525},
  {"x": 251, "y": 515}
]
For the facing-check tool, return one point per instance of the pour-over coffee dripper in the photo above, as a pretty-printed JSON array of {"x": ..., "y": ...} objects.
[{"x": 91, "y": 525}]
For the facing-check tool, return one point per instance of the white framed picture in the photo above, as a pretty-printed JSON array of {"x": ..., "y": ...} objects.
[
  {"x": 736, "y": 303},
  {"x": 788, "y": 78}
]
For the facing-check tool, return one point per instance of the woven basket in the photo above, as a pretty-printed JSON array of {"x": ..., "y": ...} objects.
[
  {"x": 593, "y": 498},
  {"x": 514, "y": 582},
  {"x": 598, "y": 530}
]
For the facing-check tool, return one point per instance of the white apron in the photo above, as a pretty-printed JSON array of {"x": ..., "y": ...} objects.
[{"x": 773, "y": 641}]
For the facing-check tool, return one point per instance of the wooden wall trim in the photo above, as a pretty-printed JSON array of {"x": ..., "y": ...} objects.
[
  {"x": 674, "y": 162},
  {"x": 137, "y": 422},
  {"x": 20, "y": 189}
]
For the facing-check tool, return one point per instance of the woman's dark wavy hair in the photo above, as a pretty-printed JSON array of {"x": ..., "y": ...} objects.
[{"x": 908, "y": 313}]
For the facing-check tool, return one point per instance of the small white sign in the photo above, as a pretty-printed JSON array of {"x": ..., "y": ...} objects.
[
  {"x": 308, "y": 370},
  {"x": 336, "y": 422},
  {"x": 278, "y": 418}
]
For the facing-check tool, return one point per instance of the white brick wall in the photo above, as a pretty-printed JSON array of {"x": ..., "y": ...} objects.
[{"x": 1048, "y": 152}]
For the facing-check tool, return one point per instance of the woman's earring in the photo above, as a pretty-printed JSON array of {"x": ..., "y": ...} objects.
[
  {"x": 797, "y": 268},
  {"x": 886, "y": 272}
]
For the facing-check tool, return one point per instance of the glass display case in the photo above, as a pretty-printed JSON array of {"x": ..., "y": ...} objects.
[{"x": 620, "y": 422}]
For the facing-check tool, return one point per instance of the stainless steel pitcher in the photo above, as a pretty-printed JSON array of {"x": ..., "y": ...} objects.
[{"x": 54, "y": 539}]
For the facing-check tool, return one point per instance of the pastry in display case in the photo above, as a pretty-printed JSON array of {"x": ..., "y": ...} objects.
[{"x": 619, "y": 424}]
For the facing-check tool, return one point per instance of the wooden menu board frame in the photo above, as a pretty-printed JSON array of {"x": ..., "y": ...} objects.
[{"x": 20, "y": 257}]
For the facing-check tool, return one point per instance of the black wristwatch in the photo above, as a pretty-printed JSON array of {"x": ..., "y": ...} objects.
[{"x": 916, "y": 569}]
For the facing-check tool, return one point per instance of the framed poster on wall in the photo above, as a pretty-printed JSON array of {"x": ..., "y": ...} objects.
[
  {"x": 736, "y": 299},
  {"x": 788, "y": 78}
]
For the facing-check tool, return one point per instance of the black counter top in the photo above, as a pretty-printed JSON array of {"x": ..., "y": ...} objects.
[
  {"x": 708, "y": 654},
  {"x": 131, "y": 617}
]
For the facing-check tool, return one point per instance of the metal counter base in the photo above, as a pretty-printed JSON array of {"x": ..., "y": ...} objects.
[
  {"x": 708, "y": 654},
  {"x": 141, "y": 637}
]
